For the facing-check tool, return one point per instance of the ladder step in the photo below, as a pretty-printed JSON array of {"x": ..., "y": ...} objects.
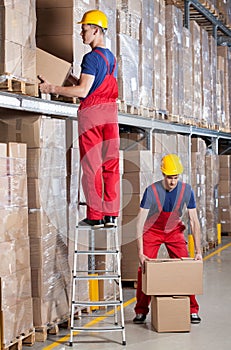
[
  {"x": 96, "y": 252},
  {"x": 98, "y": 277},
  {"x": 97, "y": 303},
  {"x": 98, "y": 329}
]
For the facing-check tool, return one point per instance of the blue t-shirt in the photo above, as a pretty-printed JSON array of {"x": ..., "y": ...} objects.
[
  {"x": 168, "y": 199},
  {"x": 94, "y": 64}
]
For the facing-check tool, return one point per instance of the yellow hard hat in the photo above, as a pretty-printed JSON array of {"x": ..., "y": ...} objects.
[
  {"x": 95, "y": 17},
  {"x": 171, "y": 165}
]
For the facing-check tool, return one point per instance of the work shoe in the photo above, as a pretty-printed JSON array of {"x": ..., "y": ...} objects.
[
  {"x": 109, "y": 221},
  {"x": 140, "y": 318},
  {"x": 195, "y": 318},
  {"x": 93, "y": 223}
]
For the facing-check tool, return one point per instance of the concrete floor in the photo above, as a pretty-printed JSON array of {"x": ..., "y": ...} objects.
[{"x": 213, "y": 333}]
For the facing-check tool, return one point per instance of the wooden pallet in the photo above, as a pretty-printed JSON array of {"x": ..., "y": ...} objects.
[
  {"x": 10, "y": 83},
  {"x": 129, "y": 283},
  {"x": 25, "y": 339},
  {"x": 124, "y": 107},
  {"x": 145, "y": 112},
  {"x": 42, "y": 332},
  {"x": 160, "y": 115}
]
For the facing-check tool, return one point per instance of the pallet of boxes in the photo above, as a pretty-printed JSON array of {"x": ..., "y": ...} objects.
[{"x": 169, "y": 282}]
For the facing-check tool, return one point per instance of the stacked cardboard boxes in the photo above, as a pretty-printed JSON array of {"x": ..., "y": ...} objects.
[
  {"x": 17, "y": 38},
  {"x": 224, "y": 193},
  {"x": 137, "y": 176},
  {"x": 15, "y": 277},
  {"x": 170, "y": 282}
]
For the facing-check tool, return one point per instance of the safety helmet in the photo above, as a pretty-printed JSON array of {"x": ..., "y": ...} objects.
[
  {"x": 171, "y": 165},
  {"x": 95, "y": 17}
]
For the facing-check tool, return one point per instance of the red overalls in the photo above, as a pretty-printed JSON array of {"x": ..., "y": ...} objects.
[
  {"x": 163, "y": 227},
  {"x": 99, "y": 148}
]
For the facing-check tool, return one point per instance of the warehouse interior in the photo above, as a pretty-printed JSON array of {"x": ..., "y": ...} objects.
[{"x": 174, "y": 82}]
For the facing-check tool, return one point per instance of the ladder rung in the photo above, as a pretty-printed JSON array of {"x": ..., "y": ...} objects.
[
  {"x": 98, "y": 329},
  {"x": 96, "y": 252},
  {"x": 98, "y": 277},
  {"x": 97, "y": 303}
]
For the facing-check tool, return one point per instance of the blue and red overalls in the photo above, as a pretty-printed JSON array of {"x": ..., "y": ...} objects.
[
  {"x": 167, "y": 228},
  {"x": 99, "y": 147}
]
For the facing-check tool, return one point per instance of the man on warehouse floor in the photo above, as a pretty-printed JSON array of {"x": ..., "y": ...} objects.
[
  {"x": 97, "y": 122},
  {"x": 159, "y": 222}
]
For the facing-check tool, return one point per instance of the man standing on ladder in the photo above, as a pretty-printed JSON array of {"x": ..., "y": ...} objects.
[
  {"x": 159, "y": 223},
  {"x": 97, "y": 122}
]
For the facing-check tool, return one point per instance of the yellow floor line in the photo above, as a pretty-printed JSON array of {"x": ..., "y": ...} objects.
[
  {"x": 217, "y": 251},
  {"x": 129, "y": 302},
  {"x": 98, "y": 319}
]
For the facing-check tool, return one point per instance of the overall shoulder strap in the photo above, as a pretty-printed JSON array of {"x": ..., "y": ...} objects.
[
  {"x": 105, "y": 59},
  {"x": 180, "y": 196},
  {"x": 157, "y": 197}
]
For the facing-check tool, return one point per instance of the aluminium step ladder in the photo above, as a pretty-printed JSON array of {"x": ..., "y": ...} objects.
[{"x": 110, "y": 273}]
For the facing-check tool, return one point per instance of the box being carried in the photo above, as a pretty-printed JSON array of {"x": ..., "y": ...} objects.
[{"x": 172, "y": 277}]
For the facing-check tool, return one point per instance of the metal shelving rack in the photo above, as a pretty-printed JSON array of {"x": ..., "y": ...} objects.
[{"x": 57, "y": 109}]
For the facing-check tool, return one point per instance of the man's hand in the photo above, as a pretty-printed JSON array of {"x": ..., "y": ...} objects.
[
  {"x": 45, "y": 87},
  {"x": 142, "y": 258},
  {"x": 198, "y": 256}
]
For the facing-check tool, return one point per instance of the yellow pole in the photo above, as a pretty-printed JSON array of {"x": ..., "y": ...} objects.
[
  {"x": 191, "y": 246},
  {"x": 94, "y": 291},
  {"x": 219, "y": 233}
]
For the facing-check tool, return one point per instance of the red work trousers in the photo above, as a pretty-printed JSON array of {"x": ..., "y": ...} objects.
[
  {"x": 99, "y": 153},
  {"x": 176, "y": 247}
]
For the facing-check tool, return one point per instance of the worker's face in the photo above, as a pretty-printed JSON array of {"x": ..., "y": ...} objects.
[
  {"x": 170, "y": 182},
  {"x": 88, "y": 33}
]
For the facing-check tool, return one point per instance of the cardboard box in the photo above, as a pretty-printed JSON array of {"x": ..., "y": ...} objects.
[
  {"x": 172, "y": 277},
  {"x": 170, "y": 314},
  {"x": 137, "y": 182},
  {"x": 137, "y": 161},
  {"x": 51, "y": 67}
]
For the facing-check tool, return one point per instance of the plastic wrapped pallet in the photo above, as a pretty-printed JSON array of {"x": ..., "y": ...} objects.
[
  {"x": 128, "y": 57},
  {"x": 223, "y": 52},
  {"x": 159, "y": 51},
  {"x": 15, "y": 275},
  {"x": 198, "y": 182},
  {"x": 206, "y": 79},
  {"x": 224, "y": 193},
  {"x": 174, "y": 49},
  {"x": 146, "y": 54},
  {"x": 47, "y": 199},
  {"x": 187, "y": 75},
  {"x": 212, "y": 183},
  {"x": 109, "y": 8},
  {"x": 196, "y": 59},
  {"x": 213, "y": 69}
]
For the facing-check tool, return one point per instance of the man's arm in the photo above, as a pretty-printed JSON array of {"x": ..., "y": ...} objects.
[
  {"x": 196, "y": 232},
  {"x": 81, "y": 90},
  {"x": 141, "y": 218}
]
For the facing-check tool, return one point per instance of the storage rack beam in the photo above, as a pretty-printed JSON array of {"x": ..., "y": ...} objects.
[
  {"x": 36, "y": 105},
  {"x": 207, "y": 14},
  {"x": 68, "y": 110}
]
